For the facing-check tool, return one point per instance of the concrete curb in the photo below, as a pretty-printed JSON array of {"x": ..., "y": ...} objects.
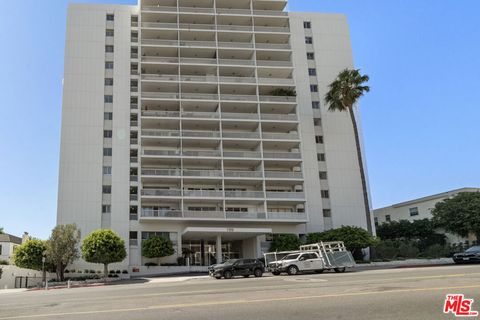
[{"x": 409, "y": 263}]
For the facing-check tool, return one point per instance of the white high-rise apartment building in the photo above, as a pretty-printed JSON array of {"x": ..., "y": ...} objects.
[{"x": 180, "y": 119}]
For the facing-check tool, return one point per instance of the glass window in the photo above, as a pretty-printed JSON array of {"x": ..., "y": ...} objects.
[
  {"x": 315, "y": 104},
  {"x": 106, "y": 208},
  {"x": 307, "y": 24},
  {"x": 376, "y": 221},
  {"x": 308, "y": 40},
  {"x": 110, "y": 17},
  {"x": 413, "y": 211},
  {"x": 313, "y": 88},
  {"x": 317, "y": 121},
  {"x": 108, "y": 81},
  {"x": 107, "y": 152},
  {"x": 108, "y": 99},
  {"x": 108, "y": 65},
  {"x": 312, "y": 71},
  {"x": 327, "y": 213},
  {"x": 108, "y": 48},
  {"x": 310, "y": 55},
  {"x": 319, "y": 139},
  {"x": 321, "y": 156},
  {"x": 133, "y": 235},
  {"x": 325, "y": 194},
  {"x": 107, "y": 189},
  {"x": 109, "y": 33},
  {"x": 388, "y": 218},
  {"x": 107, "y": 133},
  {"x": 322, "y": 175},
  {"x": 108, "y": 115},
  {"x": 107, "y": 170}
]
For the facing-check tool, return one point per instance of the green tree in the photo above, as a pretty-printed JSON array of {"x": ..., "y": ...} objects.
[
  {"x": 285, "y": 242},
  {"x": 29, "y": 254},
  {"x": 157, "y": 247},
  {"x": 1, "y": 230},
  {"x": 343, "y": 95},
  {"x": 62, "y": 247},
  {"x": 354, "y": 238},
  {"x": 103, "y": 246},
  {"x": 460, "y": 214}
]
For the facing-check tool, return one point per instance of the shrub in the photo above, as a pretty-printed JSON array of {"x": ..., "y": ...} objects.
[
  {"x": 111, "y": 272},
  {"x": 72, "y": 270},
  {"x": 118, "y": 272},
  {"x": 124, "y": 272},
  {"x": 86, "y": 271},
  {"x": 151, "y": 264},
  {"x": 385, "y": 250},
  {"x": 283, "y": 92},
  {"x": 285, "y": 242},
  {"x": 92, "y": 271},
  {"x": 157, "y": 247},
  {"x": 67, "y": 271},
  {"x": 408, "y": 250},
  {"x": 4, "y": 263},
  {"x": 181, "y": 261},
  {"x": 436, "y": 251},
  {"x": 79, "y": 271}
]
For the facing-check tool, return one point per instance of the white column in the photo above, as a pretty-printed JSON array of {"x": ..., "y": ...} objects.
[{"x": 219, "y": 249}]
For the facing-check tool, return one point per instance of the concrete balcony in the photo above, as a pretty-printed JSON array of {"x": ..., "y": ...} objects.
[
  {"x": 243, "y": 174},
  {"x": 280, "y": 136},
  {"x": 279, "y": 117},
  {"x": 273, "y": 46},
  {"x": 160, "y": 114},
  {"x": 215, "y": 215},
  {"x": 244, "y": 194},
  {"x": 230, "y": 215},
  {"x": 274, "y": 81},
  {"x": 239, "y": 97},
  {"x": 168, "y": 153},
  {"x": 202, "y": 173},
  {"x": 284, "y": 175},
  {"x": 272, "y": 29},
  {"x": 239, "y": 116},
  {"x": 200, "y": 134},
  {"x": 274, "y": 63},
  {"x": 285, "y": 195},
  {"x": 282, "y": 155},
  {"x": 242, "y": 154},
  {"x": 162, "y": 172},
  {"x": 286, "y": 99},
  {"x": 287, "y": 216},
  {"x": 160, "y": 133},
  {"x": 202, "y": 153},
  {"x": 162, "y": 192},
  {"x": 241, "y": 135},
  {"x": 203, "y": 193},
  {"x": 150, "y": 213}
]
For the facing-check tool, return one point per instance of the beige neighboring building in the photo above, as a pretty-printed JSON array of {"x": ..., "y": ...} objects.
[
  {"x": 174, "y": 124},
  {"x": 8, "y": 244},
  {"x": 419, "y": 209}
]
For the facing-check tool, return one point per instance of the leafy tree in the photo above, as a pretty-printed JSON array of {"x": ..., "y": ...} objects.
[
  {"x": 29, "y": 254},
  {"x": 103, "y": 246},
  {"x": 285, "y": 242},
  {"x": 157, "y": 247},
  {"x": 460, "y": 214},
  {"x": 62, "y": 247},
  {"x": 343, "y": 95},
  {"x": 1, "y": 230},
  {"x": 354, "y": 238}
]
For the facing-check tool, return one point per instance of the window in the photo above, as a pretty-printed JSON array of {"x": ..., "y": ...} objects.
[
  {"x": 107, "y": 189},
  {"x": 307, "y": 24},
  {"x": 315, "y": 104},
  {"x": 319, "y": 139},
  {"x": 312, "y": 71},
  {"x": 108, "y": 81},
  {"x": 413, "y": 211},
  {"x": 108, "y": 115},
  {"x": 325, "y": 194},
  {"x": 110, "y": 17},
  {"x": 108, "y": 65},
  {"x": 313, "y": 88},
  {"x": 108, "y": 48},
  {"x": 310, "y": 56},
  {"x": 108, "y": 99},
  {"x": 321, "y": 156},
  {"x": 308, "y": 40},
  {"x": 107, "y": 170},
  {"x": 107, "y": 133},
  {"x": 376, "y": 221},
  {"x": 0, "y": 249},
  {"x": 317, "y": 121},
  {"x": 327, "y": 213},
  {"x": 107, "y": 152},
  {"x": 148, "y": 234},
  {"x": 322, "y": 175},
  {"x": 388, "y": 218},
  {"x": 109, "y": 33},
  {"x": 106, "y": 208}
]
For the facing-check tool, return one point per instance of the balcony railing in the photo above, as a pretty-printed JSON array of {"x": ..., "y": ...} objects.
[
  {"x": 275, "y": 116},
  {"x": 201, "y": 153},
  {"x": 246, "y": 215},
  {"x": 161, "y": 172},
  {"x": 274, "y": 63},
  {"x": 278, "y": 98},
  {"x": 227, "y": 115},
  {"x": 272, "y": 29},
  {"x": 280, "y": 136},
  {"x": 151, "y": 213},
  {"x": 244, "y": 194},
  {"x": 260, "y": 45},
  {"x": 203, "y": 193},
  {"x": 202, "y": 173},
  {"x": 133, "y": 197},
  {"x": 208, "y": 115},
  {"x": 282, "y": 155},
  {"x": 162, "y": 192},
  {"x": 163, "y": 114},
  {"x": 283, "y": 175},
  {"x": 204, "y": 214},
  {"x": 243, "y": 174},
  {"x": 301, "y": 216},
  {"x": 286, "y": 195},
  {"x": 241, "y": 135},
  {"x": 160, "y": 133},
  {"x": 283, "y": 81},
  {"x": 201, "y": 134},
  {"x": 242, "y": 154},
  {"x": 150, "y": 152}
]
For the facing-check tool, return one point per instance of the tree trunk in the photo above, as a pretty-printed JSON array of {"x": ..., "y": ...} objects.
[
  {"x": 105, "y": 271},
  {"x": 362, "y": 171}
]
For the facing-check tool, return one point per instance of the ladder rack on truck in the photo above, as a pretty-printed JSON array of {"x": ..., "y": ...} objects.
[{"x": 317, "y": 257}]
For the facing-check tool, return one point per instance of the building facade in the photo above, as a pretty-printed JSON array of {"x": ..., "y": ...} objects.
[
  {"x": 203, "y": 121},
  {"x": 420, "y": 208},
  {"x": 8, "y": 245}
]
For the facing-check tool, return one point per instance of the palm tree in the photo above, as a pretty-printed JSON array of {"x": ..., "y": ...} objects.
[{"x": 343, "y": 94}]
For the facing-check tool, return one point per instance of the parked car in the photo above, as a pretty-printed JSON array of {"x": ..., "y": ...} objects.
[
  {"x": 297, "y": 262},
  {"x": 237, "y": 267},
  {"x": 472, "y": 254}
]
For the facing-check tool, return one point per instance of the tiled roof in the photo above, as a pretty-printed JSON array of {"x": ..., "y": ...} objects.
[{"x": 5, "y": 237}]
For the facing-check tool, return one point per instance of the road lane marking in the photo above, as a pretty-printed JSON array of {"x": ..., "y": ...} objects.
[{"x": 232, "y": 302}]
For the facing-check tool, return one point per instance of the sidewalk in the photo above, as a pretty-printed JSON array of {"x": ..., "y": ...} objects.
[
  {"x": 7, "y": 291},
  {"x": 409, "y": 263}
]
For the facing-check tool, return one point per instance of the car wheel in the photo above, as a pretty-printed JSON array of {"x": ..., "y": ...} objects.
[
  {"x": 276, "y": 273},
  {"x": 218, "y": 277},
  {"x": 319, "y": 271},
  {"x": 340, "y": 270},
  {"x": 257, "y": 273},
  {"x": 228, "y": 274},
  {"x": 292, "y": 270}
]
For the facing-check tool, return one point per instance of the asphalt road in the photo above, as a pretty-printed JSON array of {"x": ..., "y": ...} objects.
[{"x": 414, "y": 293}]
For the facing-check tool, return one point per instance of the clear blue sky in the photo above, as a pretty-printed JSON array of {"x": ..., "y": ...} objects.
[{"x": 420, "y": 120}]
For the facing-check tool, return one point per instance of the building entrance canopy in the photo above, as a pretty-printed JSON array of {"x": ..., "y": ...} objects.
[{"x": 227, "y": 234}]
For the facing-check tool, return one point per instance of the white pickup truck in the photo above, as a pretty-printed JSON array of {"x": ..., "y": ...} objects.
[{"x": 314, "y": 257}]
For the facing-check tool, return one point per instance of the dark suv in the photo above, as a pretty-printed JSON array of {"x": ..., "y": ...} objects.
[
  {"x": 237, "y": 267},
  {"x": 469, "y": 256}
]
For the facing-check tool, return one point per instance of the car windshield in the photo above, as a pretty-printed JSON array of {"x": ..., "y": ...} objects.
[
  {"x": 230, "y": 261},
  {"x": 473, "y": 249},
  {"x": 292, "y": 256}
]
